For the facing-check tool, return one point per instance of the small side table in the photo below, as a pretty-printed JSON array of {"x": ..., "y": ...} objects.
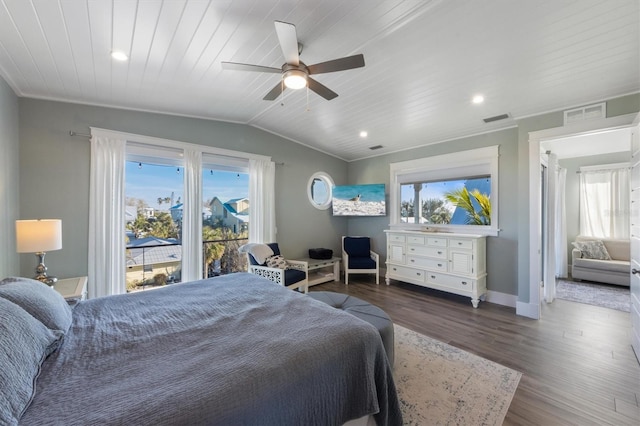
[
  {"x": 72, "y": 289},
  {"x": 323, "y": 270}
]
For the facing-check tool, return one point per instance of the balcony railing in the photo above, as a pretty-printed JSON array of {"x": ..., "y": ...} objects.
[{"x": 155, "y": 265}]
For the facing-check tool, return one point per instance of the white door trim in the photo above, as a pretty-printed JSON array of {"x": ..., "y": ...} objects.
[{"x": 586, "y": 127}]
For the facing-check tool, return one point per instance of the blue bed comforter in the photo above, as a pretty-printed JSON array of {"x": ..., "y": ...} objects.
[{"x": 232, "y": 350}]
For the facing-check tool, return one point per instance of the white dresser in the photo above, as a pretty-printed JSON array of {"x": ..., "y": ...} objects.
[{"x": 455, "y": 263}]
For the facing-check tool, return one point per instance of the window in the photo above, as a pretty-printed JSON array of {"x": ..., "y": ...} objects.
[
  {"x": 319, "y": 190},
  {"x": 225, "y": 225},
  {"x": 455, "y": 192}
]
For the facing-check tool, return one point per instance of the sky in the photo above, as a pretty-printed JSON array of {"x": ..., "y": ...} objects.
[{"x": 151, "y": 182}]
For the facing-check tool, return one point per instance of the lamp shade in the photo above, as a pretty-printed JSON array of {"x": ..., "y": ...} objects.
[{"x": 39, "y": 235}]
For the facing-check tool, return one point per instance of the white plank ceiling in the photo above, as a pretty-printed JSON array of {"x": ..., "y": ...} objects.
[{"x": 425, "y": 60}]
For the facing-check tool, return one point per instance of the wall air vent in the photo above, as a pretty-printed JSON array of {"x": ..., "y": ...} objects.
[
  {"x": 589, "y": 112},
  {"x": 375, "y": 147},
  {"x": 495, "y": 118}
]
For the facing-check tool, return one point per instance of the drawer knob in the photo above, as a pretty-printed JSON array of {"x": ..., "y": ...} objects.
[
  {"x": 394, "y": 269},
  {"x": 459, "y": 243},
  {"x": 412, "y": 249},
  {"x": 418, "y": 273},
  {"x": 439, "y": 252},
  {"x": 464, "y": 283},
  {"x": 439, "y": 265},
  {"x": 433, "y": 277}
]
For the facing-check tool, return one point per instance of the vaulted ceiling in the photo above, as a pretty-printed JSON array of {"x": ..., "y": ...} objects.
[{"x": 425, "y": 60}]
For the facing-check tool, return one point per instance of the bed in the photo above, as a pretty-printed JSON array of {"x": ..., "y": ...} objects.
[{"x": 231, "y": 350}]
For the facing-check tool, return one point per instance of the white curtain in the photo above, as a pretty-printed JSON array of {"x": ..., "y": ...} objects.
[
  {"x": 604, "y": 203},
  {"x": 106, "y": 217},
  {"x": 562, "y": 261},
  {"x": 262, "y": 214},
  {"x": 192, "y": 216}
]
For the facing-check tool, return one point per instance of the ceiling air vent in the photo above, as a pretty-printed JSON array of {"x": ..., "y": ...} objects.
[
  {"x": 589, "y": 112},
  {"x": 495, "y": 118},
  {"x": 375, "y": 147}
]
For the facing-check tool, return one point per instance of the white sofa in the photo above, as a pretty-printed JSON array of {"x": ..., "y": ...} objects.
[{"x": 614, "y": 271}]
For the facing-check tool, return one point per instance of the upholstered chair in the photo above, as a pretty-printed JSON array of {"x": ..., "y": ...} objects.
[
  {"x": 293, "y": 275},
  {"x": 358, "y": 258}
]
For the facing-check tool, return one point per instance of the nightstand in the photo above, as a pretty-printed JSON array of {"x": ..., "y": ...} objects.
[{"x": 72, "y": 289}]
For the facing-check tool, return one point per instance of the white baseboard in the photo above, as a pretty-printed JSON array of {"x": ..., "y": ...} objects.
[
  {"x": 528, "y": 310},
  {"x": 503, "y": 299}
]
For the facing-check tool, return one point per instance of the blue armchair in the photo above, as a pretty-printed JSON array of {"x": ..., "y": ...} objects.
[
  {"x": 358, "y": 258},
  {"x": 294, "y": 277}
]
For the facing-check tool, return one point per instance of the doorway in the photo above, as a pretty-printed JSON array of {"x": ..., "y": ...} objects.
[{"x": 559, "y": 139}]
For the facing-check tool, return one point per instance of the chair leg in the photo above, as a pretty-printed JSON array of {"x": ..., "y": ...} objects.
[
  {"x": 378, "y": 277},
  {"x": 346, "y": 278}
]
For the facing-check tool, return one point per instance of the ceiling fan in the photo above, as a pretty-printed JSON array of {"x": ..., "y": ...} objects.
[{"x": 295, "y": 74}]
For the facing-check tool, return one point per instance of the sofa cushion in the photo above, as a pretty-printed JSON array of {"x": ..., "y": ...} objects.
[
  {"x": 618, "y": 249},
  {"x": 594, "y": 249},
  {"x": 619, "y": 266}
]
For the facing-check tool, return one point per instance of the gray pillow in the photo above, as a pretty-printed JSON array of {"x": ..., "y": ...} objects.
[
  {"x": 592, "y": 249},
  {"x": 24, "y": 344},
  {"x": 44, "y": 303}
]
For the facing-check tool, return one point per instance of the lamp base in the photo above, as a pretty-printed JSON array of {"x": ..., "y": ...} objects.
[{"x": 41, "y": 271}]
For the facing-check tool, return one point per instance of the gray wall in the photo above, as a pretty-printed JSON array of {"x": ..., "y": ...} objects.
[
  {"x": 501, "y": 250},
  {"x": 9, "y": 199},
  {"x": 54, "y": 174},
  {"x": 572, "y": 190}
]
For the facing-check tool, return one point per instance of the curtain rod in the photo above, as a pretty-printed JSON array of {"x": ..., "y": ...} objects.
[{"x": 84, "y": 135}]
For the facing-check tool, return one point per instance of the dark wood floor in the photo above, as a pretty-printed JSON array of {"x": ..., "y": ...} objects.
[{"x": 577, "y": 363}]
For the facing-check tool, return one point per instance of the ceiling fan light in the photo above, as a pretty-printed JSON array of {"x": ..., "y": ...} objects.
[{"x": 295, "y": 79}]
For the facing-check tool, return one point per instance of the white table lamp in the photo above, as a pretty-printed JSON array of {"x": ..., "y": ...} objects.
[{"x": 39, "y": 236}]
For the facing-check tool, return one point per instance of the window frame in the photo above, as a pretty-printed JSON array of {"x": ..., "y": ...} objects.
[{"x": 457, "y": 165}]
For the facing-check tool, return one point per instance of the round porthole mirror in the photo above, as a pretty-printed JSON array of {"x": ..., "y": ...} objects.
[{"x": 319, "y": 190}]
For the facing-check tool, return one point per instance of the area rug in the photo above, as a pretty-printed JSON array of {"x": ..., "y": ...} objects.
[
  {"x": 439, "y": 384},
  {"x": 607, "y": 296}
]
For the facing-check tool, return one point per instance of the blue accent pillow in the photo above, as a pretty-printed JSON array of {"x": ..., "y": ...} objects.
[
  {"x": 41, "y": 301},
  {"x": 24, "y": 345},
  {"x": 357, "y": 246}
]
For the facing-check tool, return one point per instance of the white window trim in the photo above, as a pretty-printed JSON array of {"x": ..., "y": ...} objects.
[{"x": 442, "y": 167}]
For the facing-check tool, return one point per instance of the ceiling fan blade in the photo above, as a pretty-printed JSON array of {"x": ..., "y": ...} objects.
[
  {"x": 347, "y": 63},
  {"x": 275, "y": 92},
  {"x": 288, "y": 42},
  {"x": 321, "y": 89},
  {"x": 248, "y": 67}
]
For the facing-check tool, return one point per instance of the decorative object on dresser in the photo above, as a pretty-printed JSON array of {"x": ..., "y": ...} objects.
[
  {"x": 455, "y": 263},
  {"x": 293, "y": 275},
  {"x": 39, "y": 236},
  {"x": 358, "y": 258}
]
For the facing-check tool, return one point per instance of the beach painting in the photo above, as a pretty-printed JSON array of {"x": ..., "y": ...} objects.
[{"x": 359, "y": 200}]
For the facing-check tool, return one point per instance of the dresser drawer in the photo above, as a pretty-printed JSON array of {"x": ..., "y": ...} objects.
[
  {"x": 457, "y": 283},
  {"x": 427, "y": 263},
  {"x": 396, "y": 238},
  {"x": 400, "y": 272},
  {"x": 463, "y": 244},
  {"x": 412, "y": 239},
  {"x": 437, "y": 242},
  {"x": 437, "y": 252}
]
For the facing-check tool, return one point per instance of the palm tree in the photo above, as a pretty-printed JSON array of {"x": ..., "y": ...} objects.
[
  {"x": 434, "y": 211},
  {"x": 212, "y": 251},
  {"x": 465, "y": 200}
]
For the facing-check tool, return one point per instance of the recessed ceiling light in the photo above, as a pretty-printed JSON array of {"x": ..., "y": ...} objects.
[
  {"x": 119, "y": 55},
  {"x": 364, "y": 134},
  {"x": 478, "y": 99}
]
